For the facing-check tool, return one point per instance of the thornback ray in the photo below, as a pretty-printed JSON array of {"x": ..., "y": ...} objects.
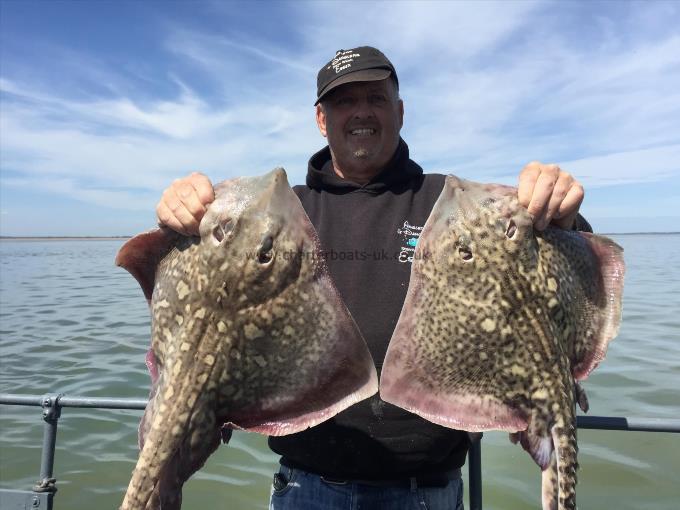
[
  {"x": 500, "y": 321},
  {"x": 248, "y": 332}
]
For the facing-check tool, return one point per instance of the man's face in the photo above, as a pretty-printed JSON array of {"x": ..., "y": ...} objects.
[{"x": 362, "y": 121}]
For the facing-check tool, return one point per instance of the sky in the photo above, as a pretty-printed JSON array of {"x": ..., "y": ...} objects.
[{"x": 103, "y": 104}]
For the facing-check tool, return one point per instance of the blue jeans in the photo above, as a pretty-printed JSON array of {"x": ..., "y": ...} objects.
[{"x": 307, "y": 491}]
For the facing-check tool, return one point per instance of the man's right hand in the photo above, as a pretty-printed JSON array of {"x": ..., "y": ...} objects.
[{"x": 184, "y": 203}]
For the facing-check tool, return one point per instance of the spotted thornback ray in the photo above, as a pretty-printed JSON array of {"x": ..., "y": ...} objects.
[
  {"x": 500, "y": 321},
  {"x": 248, "y": 330}
]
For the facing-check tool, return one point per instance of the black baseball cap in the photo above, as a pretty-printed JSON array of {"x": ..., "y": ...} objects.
[{"x": 358, "y": 64}]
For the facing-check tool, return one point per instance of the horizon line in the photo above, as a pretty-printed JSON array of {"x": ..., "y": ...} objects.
[{"x": 90, "y": 237}]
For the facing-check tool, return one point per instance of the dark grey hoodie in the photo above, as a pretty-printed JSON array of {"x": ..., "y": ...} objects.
[{"x": 368, "y": 233}]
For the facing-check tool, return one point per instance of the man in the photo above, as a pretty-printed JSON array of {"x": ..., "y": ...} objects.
[{"x": 367, "y": 199}]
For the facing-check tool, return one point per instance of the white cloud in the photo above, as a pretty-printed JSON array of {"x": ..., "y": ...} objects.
[
  {"x": 553, "y": 103},
  {"x": 112, "y": 197},
  {"x": 223, "y": 51},
  {"x": 647, "y": 165},
  {"x": 413, "y": 33},
  {"x": 121, "y": 143}
]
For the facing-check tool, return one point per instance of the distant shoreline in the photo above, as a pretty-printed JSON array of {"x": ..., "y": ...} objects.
[
  {"x": 61, "y": 238},
  {"x": 637, "y": 233},
  {"x": 104, "y": 238}
]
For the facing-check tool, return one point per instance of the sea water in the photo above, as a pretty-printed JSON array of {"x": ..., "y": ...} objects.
[{"x": 71, "y": 322}]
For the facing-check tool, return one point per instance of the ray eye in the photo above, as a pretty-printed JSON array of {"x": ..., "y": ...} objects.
[
  {"x": 465, "y": 253},
  {"x": 217, "y": 233},
  {"x": 265, "y": 253},
  {"x": 222, "y": 230},
  {"x": 511, "y": 230}
]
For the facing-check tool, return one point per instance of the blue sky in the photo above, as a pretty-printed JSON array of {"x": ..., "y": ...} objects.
[{"x": 103, "y": 104}]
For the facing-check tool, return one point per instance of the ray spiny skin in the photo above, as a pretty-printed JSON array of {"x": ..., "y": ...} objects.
[
  {"x": 247, "y": 330},
  {"x": 500, "y": 321}
]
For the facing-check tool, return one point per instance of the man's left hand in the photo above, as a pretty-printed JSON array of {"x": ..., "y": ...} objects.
[{"x": 550, "y": 195}]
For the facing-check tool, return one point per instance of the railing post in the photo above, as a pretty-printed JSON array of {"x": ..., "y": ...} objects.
[
  {"x": 475, "y": 471},
  {"x": 51, "y": 413}
]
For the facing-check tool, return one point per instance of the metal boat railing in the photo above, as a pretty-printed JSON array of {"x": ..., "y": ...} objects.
[{"x": 42, "y": 495}]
